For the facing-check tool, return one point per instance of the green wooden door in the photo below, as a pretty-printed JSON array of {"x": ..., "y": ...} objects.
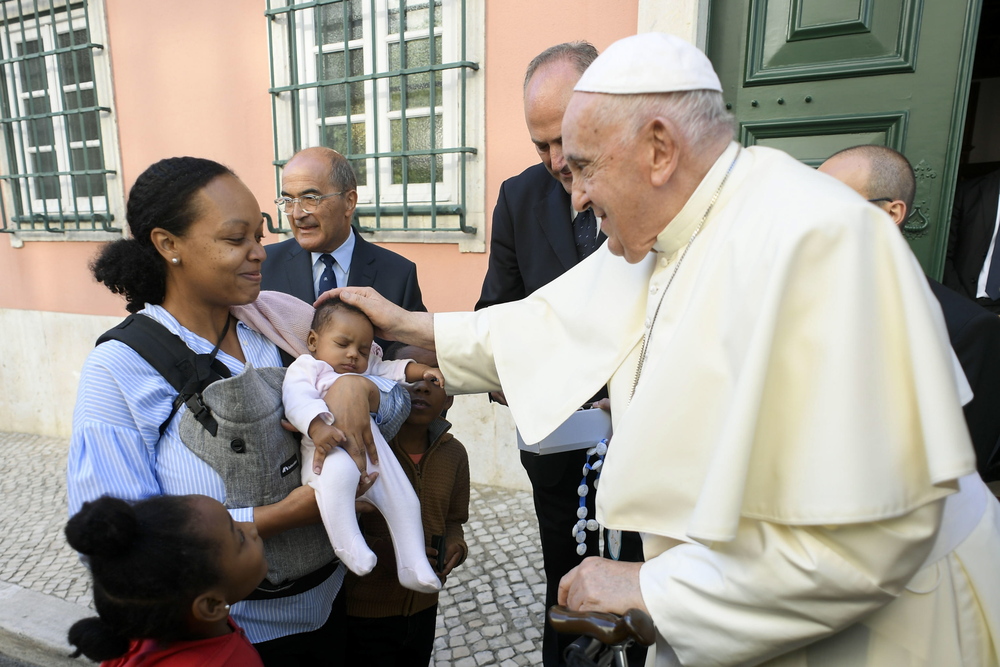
[{"x": 813, "y": 76}]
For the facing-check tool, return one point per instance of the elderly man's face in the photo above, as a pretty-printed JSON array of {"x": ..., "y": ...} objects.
[
  {"x": 326, "y": 228},
  {"x": 545, "y": 100},
  {"x": 609, "y": 176}
]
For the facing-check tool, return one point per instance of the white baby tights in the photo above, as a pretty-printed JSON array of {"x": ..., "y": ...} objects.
[{"x": 394, "y": 497}]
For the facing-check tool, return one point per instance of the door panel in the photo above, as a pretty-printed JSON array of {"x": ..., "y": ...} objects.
[
  {"x": 812, "y": 140},
  {"x": 808, "y": 40},
  {"x": 814, "y": 76}
]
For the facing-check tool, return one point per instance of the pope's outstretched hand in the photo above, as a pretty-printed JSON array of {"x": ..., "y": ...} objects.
[{"x": 391, "y": 322}]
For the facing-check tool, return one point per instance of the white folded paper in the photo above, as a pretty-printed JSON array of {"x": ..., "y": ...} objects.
[{"x": 583, "y": 429}]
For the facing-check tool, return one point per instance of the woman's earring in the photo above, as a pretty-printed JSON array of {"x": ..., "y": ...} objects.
[
  {"x": 227, "y": 607},
  {"x": 175, "y": 260}
]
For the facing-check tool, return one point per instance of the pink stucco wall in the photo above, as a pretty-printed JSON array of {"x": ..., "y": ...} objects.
[
  {"x": 516, "y": 31},
  {"x": 191, "y": 78},
  {"x": 535, "y": 26}
]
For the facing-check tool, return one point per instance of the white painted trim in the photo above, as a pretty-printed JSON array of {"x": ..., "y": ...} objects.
[
  {"x": 687, "y": 19},
  {"x": 115, "y": 198},
  {"x": 475, "y": 199}
]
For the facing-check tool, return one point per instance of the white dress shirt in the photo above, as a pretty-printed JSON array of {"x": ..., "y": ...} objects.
[{"x": 985, "y": 272}]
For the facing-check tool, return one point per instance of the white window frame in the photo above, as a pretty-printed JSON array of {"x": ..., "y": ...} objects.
[
  {"x": 47, "y": 26},
  {"x": 377, "y": 97}
]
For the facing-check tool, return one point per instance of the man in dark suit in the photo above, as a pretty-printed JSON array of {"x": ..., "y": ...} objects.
[
  {"x": 318, "y": 194},
  {"x": 969, "y": 267},
  {"x": 536, "y": 237},
  {"x": 885, "y": 178}
]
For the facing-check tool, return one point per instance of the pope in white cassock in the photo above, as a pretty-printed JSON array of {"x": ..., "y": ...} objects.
[{"x": 788, "y": 427}]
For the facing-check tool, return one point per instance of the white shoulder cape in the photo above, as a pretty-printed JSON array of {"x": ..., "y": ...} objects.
[{"x": 798, "y": 371}]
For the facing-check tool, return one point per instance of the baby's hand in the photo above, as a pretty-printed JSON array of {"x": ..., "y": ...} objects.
[
  {"x": 325, "y": 437},
  {"x": 434, "y": 376}
]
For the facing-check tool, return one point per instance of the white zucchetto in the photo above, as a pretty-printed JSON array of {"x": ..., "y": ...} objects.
[{"x": 651, "y": 62}]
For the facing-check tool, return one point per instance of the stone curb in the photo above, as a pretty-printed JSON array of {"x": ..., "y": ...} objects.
[{"x": 33, "y": 626}]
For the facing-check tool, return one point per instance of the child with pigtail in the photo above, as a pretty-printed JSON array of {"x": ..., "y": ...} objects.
[{"x": 165, "y": 572}]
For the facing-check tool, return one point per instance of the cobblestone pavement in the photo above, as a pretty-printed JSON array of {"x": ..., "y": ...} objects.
[
  {"x": 490, "y": 611},
  {"x": 33, "y": 551}
]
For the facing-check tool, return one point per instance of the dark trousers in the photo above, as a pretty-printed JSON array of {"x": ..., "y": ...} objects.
[
  {"x": 323, "y": 646},
  {"x": 393, "y": 641},
  {"x": 554, "y": 481}
]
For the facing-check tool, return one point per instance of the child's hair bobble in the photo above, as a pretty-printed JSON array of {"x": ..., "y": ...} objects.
[{"x": 106, "y": 528}]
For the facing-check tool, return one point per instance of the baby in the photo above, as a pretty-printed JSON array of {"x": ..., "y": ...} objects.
[{"x": 341, "y": 341}]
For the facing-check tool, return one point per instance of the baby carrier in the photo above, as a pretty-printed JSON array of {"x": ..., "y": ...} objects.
[{"x": 234, "y": 425}]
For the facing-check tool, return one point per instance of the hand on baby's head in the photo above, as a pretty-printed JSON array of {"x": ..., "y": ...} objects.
[{"x": 341, "y": 336}]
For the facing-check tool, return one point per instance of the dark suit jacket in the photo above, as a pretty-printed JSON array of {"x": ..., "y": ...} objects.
[
  {"x": 288, "y": 269},
  {"x": 532, "y": 239},
  {"x": 531, "y": 245},
  {"x": 972, "y": 221},
  {"x": 975, "y": 337}
]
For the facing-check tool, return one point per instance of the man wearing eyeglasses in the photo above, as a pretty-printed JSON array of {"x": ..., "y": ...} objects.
[{"x": 318, "y": 196}]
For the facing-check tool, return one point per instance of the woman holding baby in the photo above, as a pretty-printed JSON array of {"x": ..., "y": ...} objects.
[{"x": 195, "y": 253}]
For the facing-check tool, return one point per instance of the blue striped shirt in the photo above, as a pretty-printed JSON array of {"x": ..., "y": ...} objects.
[{"x": 116, "y": 450}]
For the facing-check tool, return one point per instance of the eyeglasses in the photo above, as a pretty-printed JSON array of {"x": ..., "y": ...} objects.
[
  {"x": 885, "y": 199},
  {"x": 307, "y": 203}
]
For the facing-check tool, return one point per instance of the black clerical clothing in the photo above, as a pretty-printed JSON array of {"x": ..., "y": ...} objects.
[
  {"x": 973, "y": 220},
  {"x": 533, "y": 242}
]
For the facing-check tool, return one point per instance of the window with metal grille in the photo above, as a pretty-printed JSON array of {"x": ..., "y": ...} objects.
[
  {"x": 385, "y": 83},
  {"x": 59, "y": 161}
]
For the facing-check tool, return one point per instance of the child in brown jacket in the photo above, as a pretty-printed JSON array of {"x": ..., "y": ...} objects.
[{"x": 388, "y": 625}]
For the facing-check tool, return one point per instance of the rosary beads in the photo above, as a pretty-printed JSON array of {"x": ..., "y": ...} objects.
[{"x": 583, "y": 524}]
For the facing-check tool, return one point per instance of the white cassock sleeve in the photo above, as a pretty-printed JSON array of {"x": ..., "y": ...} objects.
[
  {"x": 465, "y": 352},
  {"x": 776, "y": 588}
]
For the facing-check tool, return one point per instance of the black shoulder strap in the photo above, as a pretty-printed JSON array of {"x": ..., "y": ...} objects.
[
  {"x": 187, "y": 372},
  {"x": 286, "y": 358}
]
